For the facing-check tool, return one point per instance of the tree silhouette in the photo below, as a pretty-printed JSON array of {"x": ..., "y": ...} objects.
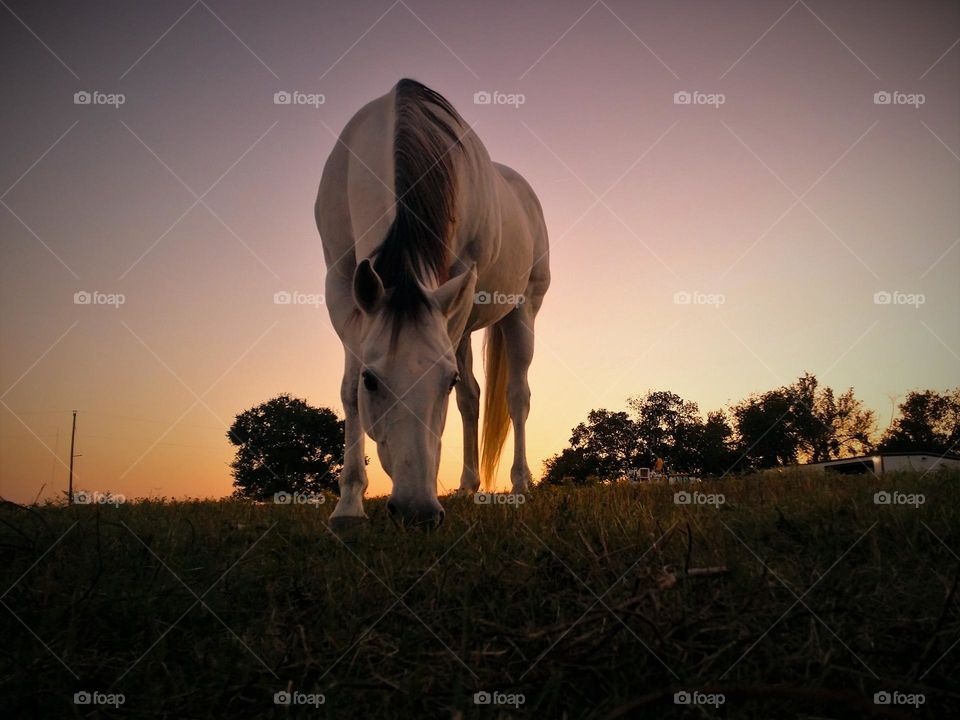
[
  {"x": 929, "y": 422},
  {"x": 828, "y": 426},
  {"x": 669, "y": 428},
  {"x": 714, "y": 445},
  {"x": 571, "y": 465},
  {"x": 765, "y": 434},
  {"x": 285, "y": 444},
  {"x": 609, "y": 443},
  {"x": 803, "y": 421},
  {"x": 663, "y": 425}
]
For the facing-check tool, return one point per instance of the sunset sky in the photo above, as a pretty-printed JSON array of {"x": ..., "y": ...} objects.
[{"x": 794, "y": 202}]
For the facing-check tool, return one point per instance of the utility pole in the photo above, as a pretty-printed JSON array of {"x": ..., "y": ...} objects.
[{"x": 73, "y": 437}]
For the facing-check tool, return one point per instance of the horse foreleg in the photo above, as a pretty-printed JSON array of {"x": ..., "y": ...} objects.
[
  {"x": 468, "y": 401},
  {"x": 353, "y": 476}
]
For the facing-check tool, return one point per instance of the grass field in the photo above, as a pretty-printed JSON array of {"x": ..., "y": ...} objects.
[{"x": 795, "y": 597}]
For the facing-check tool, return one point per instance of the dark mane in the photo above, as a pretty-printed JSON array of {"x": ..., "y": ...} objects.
[{"x": 416, "y": 246}]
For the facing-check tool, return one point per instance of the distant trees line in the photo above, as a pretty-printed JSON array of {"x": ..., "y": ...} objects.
[
  {"x": 287, "y": 445},
  {"x": 800, "y": 422}
]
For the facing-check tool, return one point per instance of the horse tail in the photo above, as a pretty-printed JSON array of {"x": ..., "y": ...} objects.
[{"x": 496, "y": 419}]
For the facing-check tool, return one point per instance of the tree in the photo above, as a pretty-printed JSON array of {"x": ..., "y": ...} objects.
[
  {"x": 568, "y": 466},
  {"x": 765, "y": 436},
  {"x": 670, "y": 428},
  {"x": 285, "y": 444},
  {"x": 802, "y": 421},
  {"x": 608, "y": 442},
  {"x": 604, "y": 446},
  {"x": 716, "y": 454},
  {"x": 929, "y": 422},
  {"x": 828, "y": 427}
]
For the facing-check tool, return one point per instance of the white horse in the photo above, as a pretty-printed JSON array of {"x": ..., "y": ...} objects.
[{"x": 426, "y": 240}]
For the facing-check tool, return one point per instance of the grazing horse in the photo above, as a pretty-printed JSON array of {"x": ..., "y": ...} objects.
[{"x": 425, "y": 241}]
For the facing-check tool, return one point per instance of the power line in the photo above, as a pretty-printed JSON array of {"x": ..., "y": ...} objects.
[{"x": 123, "y": 417}]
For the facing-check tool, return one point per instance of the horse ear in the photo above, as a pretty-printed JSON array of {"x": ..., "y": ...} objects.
[
  {"x": 367, "y": 287},
  {"x": 455, "y": 300}
]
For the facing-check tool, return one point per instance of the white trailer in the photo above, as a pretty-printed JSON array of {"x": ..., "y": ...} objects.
[{"x": 888, "y": 462}]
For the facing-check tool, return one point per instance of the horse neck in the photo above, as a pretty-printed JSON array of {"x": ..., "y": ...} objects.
[{"x": 370, "y": 173}]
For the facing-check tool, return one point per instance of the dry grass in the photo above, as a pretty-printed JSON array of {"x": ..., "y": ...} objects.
[{"x": 594, "y": 602}]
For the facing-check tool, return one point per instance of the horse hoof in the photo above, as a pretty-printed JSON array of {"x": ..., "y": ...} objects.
[{"x": 348, "y": 524}]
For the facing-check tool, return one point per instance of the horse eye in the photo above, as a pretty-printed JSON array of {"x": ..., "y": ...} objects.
[
  {"x": 455, "y": 380},
  {"x": 369, "y": 381}
]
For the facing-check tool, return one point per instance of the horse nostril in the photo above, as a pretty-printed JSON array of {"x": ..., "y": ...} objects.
[
  {"x": 391, "y": 508},
  {"x": 440, "y": 516}
]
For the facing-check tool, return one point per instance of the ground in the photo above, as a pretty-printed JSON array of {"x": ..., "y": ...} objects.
[{"x": 793, "y": 597}]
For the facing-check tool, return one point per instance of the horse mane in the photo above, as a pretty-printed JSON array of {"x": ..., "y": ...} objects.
[{"x": 416, "y": 245}]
